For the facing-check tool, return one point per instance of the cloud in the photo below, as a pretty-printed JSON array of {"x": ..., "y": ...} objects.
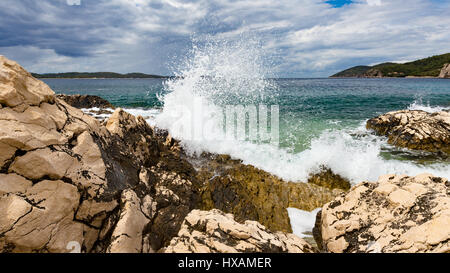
[
  {"x": 374, "y": 2},
  {"x": 307, "y": 37}
]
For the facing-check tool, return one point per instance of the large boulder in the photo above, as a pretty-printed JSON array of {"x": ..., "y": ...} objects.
[
  {"x": 396, "y": 214},
  {"x": 415, "y": 129},
  {"x": 216, "y": 232},
  {"x": 18, "y": 89},
  {"x": 445, "y": 71}
]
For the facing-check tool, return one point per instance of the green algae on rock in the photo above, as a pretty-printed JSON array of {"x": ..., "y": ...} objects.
[
  {"x": 326, "y": 178},
  {"x": 253, "y": 194}
]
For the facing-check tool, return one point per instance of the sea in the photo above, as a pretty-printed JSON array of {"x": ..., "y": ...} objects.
[{"x": 321, "y": 122}]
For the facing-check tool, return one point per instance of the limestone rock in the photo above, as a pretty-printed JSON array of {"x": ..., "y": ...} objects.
[
  {"x": 445, "y": 71},
  {"x": 415, "y": 129},
  {"x": 41, "y": 218},
  {"x": 127, "y": 235},
  {"x": 175, "y": 196},
  {"x": 18, "y": 87},
  {"x": 215, "y": 231},
  {"x": 69, "y": 181},
  {"x": 63, "y": 175},
  {"x": 13, "y": 183},
  {"x": 42, "y": 163},
  {"x": 396, "y": 214}
]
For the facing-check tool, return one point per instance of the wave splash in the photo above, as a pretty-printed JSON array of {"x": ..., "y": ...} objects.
[{"x": 218, "y": 73}]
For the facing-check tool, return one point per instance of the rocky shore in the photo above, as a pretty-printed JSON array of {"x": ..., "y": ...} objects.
[
  {"x": 395, "y": 214},
  {"x": 118, "y": 185}
]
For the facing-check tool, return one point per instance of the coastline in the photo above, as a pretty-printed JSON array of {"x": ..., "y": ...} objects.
[
  {"x": 122, "y": 186},
  {"x": 162, "y": 77},
  {"x": 406, "y": 77}
]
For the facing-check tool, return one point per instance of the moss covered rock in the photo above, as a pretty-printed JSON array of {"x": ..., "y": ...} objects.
[
  {"x": 326, "y": 178},
  {"x": 253, "y": 194}
]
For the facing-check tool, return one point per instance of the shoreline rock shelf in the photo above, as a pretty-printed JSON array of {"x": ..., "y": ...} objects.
[
  {"x": 415, "y": 129},
  {"x": 85, "y": 101}
]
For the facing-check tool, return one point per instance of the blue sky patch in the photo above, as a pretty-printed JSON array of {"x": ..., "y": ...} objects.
[{"x": 339, "y": 3}]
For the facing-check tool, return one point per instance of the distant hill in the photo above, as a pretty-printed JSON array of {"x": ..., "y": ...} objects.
[
  {"x": 428, "y": 67},
  {"x": 89, "y": 75}
]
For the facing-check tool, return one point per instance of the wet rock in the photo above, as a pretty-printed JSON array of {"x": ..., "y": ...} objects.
[
  {"x": 252, "y": 194},
  {"x": 396, "y": 214},
  {"x": 415, "y": 129},
  {"x": 85, "y": 101},
  {"x": 326, "y": 178},
  {"x": 216, "y": 232}
]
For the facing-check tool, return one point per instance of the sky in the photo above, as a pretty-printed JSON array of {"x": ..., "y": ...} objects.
[{"x": 303, "y": 38}]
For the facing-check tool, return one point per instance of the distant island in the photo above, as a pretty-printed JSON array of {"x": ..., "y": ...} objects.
[
  {"x": 94, "y": 75},
  {"x": 434, "y": 67}
]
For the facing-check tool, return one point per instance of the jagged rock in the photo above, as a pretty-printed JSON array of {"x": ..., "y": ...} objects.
[
  {"x": 18, "y": 89},
  {"x": 41, "y": 218},
  {"x": 215, "y": 231},
  {"x": 326, "y": 178},
  {"x": 85, "y": 101},
  {"x": 396, "y": 214},
  {"x": 127, "y": 235},
  {"x": 445, "y": 71},
  {"x": 252, "y": 194},
  {"x": 63, "y": 173},
  {"x": 415, "y": 129}
]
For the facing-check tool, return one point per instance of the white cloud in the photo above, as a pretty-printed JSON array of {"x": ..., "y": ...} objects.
[{"x": 374, "y": 2}]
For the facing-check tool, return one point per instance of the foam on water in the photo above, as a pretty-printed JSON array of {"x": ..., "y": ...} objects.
[
  {"x": 419, "y": 105},
  {"x": 302, "y": 222},
  {"x": 148, "y": 114}
]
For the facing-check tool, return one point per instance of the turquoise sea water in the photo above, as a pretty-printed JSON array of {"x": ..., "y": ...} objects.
[
  {"x": 321, "y": 121},
  {"x": 316, "y": 104}
]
